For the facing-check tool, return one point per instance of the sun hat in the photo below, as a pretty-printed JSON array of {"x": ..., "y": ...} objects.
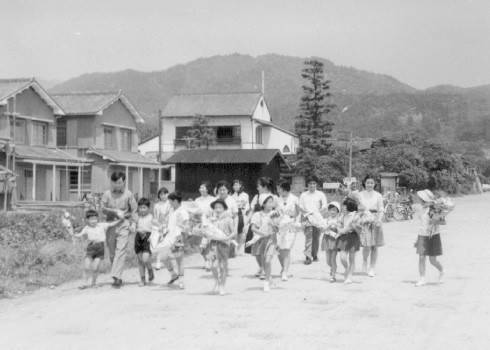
[
  {"x": 334, "y": 204},
  {"x": 219, "y": 201},
  {"x": 426, "y": 195}
]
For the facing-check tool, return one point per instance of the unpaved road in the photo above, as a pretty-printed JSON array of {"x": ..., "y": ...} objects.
[{"x": 385, "y": 312}]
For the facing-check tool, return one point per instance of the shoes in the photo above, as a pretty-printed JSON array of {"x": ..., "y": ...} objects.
[
  {"x": 307, "y": 261},
  {"x": 83, "y": 287},
  {"x": 207, "y": 266},
  {"x": 117, "y": 284},
  {"x": 262, "y": 276},
  {"x": 141, "y": 284},
  {"x": 348, "y": 281},
  {"x": 173, "y": 279},
  {"x": 315, "y": 259},
  {"x": 114, "y": 282},
  {"x": 181, "y": 285},
  {"x": 332, "y": 279},
  {"x": 216, "y": 288},
  {"x": 371, "y": 273},
  {"x": 259, "y": 273},
  {"x": 222, "y": 292},
  {"x": 267, "y": 287},
  {"x": 420, "y": 283},
  {"x": 158, "y": 267},
  {"x": 284, "y": 276}
]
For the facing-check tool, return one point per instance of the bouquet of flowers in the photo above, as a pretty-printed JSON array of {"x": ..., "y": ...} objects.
[
  {"x": 274, "y": 219},
  {"x": 315, "y": 219},
  {"x": 209, "y": 231},
  {"x": 438, "y": 210}
]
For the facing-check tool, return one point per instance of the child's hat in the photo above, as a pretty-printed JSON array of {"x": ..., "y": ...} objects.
[
  {"x": 334, "y": 204},
  {"x": 219, "y": 201},
  {"x": 426, "y": 195}
]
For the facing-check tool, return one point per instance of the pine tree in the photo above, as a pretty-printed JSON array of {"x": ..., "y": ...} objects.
[
  {"x": 312, "y": 126},
  {"x": 200, "y": 134}
]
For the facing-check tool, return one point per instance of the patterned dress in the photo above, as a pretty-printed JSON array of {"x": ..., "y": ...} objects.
[
  {"x": 373, "y": 201},
  {"x": 289, "y": 206},
  {"x": 218, "y": 249}
]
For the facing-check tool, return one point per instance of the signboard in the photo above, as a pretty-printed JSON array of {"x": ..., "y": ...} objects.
[{"x": 331, "y": 185}]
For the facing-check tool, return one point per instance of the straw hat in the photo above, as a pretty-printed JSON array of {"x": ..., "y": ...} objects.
[
  {"x": 334, "y": 204},
  {"x": 426, "y": 195}
]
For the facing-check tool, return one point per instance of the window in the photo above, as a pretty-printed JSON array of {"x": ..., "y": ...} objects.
[
  {"x": 166, "y": 174},
  {"x": 18, "y": 134},
  {"x": 109, "y": 138},
  {"x": 85, "y": 179},
  {"x": 61, "y": 132},
  {"x": 39, "y": 133},
  {"x": 286, "y": 149},
  {"x": 228, "y": 134},
  {"x": 258, "y": 135},
  {"x": 126, "y": 140}
]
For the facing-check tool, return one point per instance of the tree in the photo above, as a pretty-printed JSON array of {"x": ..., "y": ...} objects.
[
  {"x": 312, "y": 126},
  {"x": 200, "y": 133}
]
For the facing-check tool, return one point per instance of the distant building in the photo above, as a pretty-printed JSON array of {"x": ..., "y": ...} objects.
[
  {"x": 241, "y": 121},
  {"x": 28, "y": 121},
  {"x": 100, "y": 126}
]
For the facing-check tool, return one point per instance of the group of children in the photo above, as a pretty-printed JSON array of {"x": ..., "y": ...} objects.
[{"x": 163, "y": 232}]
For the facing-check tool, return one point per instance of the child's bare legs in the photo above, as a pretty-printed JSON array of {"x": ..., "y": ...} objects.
[
  {"x": 352, "y": 261},
  {"x": 87, "y": 272},
  {"x": 158, "y": 259},
  {"x": 223, "y": 268},
  {"x": 214, "y": 269},
  {"x": 366, "y": 251},
  {"x": 433, "y": 260},
  {"x": 332, "y": 263},
  {"x": 348, "y": 259},
  {"x": 95, "y": 271},
  {"x": 421, "y": 282},
  {"x": 259, "y": 273},
  {"x": 144, "y": 261},
  {"x": 343, "y": 260},
  {"x": 268, "y": 272},
  {"x": 286, "y": 262},
  {"x": 141, "y": 268},
  {"x": 180, "y": 267}
]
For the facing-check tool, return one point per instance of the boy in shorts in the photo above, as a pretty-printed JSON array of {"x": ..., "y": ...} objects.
[
  {"x": 96, "y": 234},
  {"x": 142, "y": 240}
]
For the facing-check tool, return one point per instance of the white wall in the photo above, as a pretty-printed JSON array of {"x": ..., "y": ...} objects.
[
  {"x": 149, "y": 146},
  {"x": 261, "y": 111},
  {"x": 277, "y": 139}
]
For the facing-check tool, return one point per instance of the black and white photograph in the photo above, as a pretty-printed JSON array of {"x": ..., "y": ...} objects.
[{"x": 231, "y": 174}]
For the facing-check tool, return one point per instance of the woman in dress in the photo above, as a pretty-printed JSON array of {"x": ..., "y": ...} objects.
[
  {"x": 161, "y": 211},
  {"x": 372, "y": 239},
  {"x": 265, "y": 187},
  {"x": 243, "y": 202},
  {"x": 288, "y": 204},
  {"x": 204, "y": 204}
]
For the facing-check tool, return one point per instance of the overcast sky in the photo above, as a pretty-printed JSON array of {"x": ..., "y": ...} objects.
[{"x": 420, "y": 42}]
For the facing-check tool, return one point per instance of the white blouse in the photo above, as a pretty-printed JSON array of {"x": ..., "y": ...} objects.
[
  {"x": 289, "y": 205},
  {"x": 242, "y": 200},
  {"x": 372, "y": 200}
]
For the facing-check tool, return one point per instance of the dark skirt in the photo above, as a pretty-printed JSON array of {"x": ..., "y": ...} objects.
[
  {"x": 248, "y": 237},
  {"x": 430, "y": 246},
  {"x": 348, "y": 241},
  {"x": 329, "y": 243},
  {"x": 241, "y": 222}
]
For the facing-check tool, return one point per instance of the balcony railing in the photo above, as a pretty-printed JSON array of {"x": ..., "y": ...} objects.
[{"x": 219, "y": 141}]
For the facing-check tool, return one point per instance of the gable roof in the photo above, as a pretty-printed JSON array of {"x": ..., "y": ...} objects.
[
  {"x": 123, "y": 157},
  {"x": 240, "y": 156},
  {"x": 224, "y": 104},
  {"x": 12, "y": 87},
  {"x": 263, "y": 122},
  {"x": 93, "y": 102},
  {"x": 46, "y": 153}
]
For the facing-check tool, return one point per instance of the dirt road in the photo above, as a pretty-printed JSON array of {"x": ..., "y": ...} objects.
[{"x": 384, "y": 312}]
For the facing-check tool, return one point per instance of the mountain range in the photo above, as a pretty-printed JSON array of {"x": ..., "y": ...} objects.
[{"x": 369, "y": 104}]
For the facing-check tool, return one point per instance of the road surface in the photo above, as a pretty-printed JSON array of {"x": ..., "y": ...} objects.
[{"x": 307, "y": 312}]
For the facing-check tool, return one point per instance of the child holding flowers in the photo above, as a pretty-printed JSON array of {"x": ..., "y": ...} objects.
[
  {"x": 330, "y": 235},
  {"x": 348, "y": 240},
  {"x": 431, "y": 212}
]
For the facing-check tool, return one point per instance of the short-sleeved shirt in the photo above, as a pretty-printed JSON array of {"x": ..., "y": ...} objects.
[
  {"x": 97, "y": 233},
  {"x": 242, "y": 200},
  {"x": 177, "y": 220},
  {"x": 289, "y": 205},
  {"x": 311, "y": 202},
  {"x": 425, "y": 228},
  {"x": 262, "y": 222},
  {"x": 232, "y": 205},
  {"x": 120, "y": 200},
  {"x": 144, "y": 223}
]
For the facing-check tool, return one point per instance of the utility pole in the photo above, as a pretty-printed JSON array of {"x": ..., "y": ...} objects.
[
  {"x": 159, "y": 136},
  {"x": 350, "y": 159}
]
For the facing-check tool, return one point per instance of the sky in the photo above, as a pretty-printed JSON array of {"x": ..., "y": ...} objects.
[{"x": 420, "y": 42}]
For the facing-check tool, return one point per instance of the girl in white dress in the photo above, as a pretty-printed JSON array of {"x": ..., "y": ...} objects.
[
  {"x": 288, "y": 204},
  {"x": 243, "y": 201},
  {"x": 372, "y": 201},
  {"x": 161, "y": 211}
]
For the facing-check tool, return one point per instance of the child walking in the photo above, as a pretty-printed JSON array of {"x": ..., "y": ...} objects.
[
  {"x": 429, "y": 239},
  {"x": 96, "y": 234},
  {"x": 348, "y": 240},
  {"x": 329, "y": 241},
  {"x": 178, "y": 221},
  {"x": 142, "y": 241},
  {"x": 263, "y": 225},
  {"x": 219, "y": 250},
  {"x": 161, "y": 211}
]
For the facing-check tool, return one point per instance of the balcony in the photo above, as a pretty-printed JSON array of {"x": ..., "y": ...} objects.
[{"x": 219, "y": 141}]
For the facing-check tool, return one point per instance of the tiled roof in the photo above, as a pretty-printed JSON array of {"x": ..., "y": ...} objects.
[
  {"x": 258, "y": 156},
  {"x": 123, "y": 157},
  {"x": 93, "y": 102},
  {"x": 242, "y": 104},
  {"x": 11, "y": 87},
  {"x": 44, "y": 153}
]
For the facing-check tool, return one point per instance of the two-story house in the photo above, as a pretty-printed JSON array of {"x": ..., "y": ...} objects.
[
  {"x": 101, "y": 127},
  {"x": 246, "y": 140},
  {"x": 28, "y": 119}
]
